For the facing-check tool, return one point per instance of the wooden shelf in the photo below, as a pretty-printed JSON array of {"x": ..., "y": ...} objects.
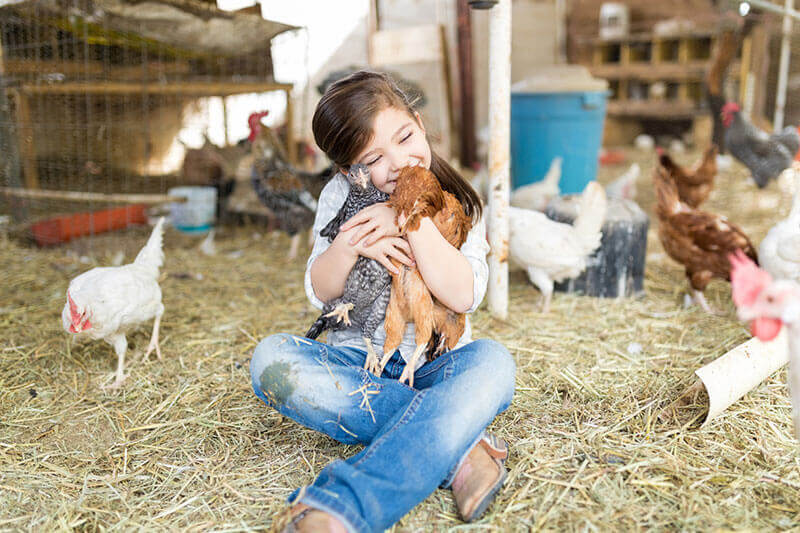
[
  {"x": 693, "y": 70},
  {"x": 654, "y": 109}
]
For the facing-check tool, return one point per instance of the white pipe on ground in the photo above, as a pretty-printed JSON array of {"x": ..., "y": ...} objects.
[{"x": 499, "y": 150}]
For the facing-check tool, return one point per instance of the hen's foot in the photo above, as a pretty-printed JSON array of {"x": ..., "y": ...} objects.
[
  {"x": 342, "y": 312},
  {"x": 372, "y": 364},
  {"x": 119, "y": 379},
  {"x": 411, "y": 366},
  {"x": 700, "y": 299}
]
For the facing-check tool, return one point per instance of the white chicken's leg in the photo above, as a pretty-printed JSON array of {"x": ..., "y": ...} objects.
[
  {"x": 311, "y": 236},
  {"x": 293, "y": 247},
  {"x": 120, "y": 345},
  {"x": 411, "y": 366},
  {"x": 544, "y": 284},
  {"x": 154, "y": 336}
]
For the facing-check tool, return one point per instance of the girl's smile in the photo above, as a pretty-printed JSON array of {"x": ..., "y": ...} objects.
[{"x": 398, "y": 141}]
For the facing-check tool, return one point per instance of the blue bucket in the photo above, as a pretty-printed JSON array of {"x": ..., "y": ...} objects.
[{"x": 545, "y": 125}]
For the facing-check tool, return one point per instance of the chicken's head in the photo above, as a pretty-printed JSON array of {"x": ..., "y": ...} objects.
[
  {"x": 358, "y": 174},
  {"x": 765, "y": 303},
  {"x": 78, "y": 318},
  {"x": 728, "y": 112},
  {"x": 254, "y": 121}
]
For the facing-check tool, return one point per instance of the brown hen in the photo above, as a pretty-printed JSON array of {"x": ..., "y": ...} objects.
[
  {"x": 418, "y": 194},
  {"x": 695, "y": 183},
  {"x": 700, "y": 241}
]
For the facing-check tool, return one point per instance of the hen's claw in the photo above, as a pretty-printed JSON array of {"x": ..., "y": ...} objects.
[{"x": 342, "y": 312}]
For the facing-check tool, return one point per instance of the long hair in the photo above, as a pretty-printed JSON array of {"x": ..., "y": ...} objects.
[{"x": 342, "y": 127}]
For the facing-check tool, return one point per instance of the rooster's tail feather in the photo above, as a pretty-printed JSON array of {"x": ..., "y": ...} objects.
[
  {"x": 152, "y": 255},
  {"x": 591, "y": 216},
  {"x": 320, "y": 324}
]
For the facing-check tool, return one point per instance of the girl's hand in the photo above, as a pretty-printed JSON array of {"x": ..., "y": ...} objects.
[
  {"x": 372, "y": 224},
  {"x": 382, "y": 251}
]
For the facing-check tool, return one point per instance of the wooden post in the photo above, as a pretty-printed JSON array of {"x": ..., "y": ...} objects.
[
  {"x": 291, "y": 146},
  {"x": 25, "y": 136},
  {"x": 9, "y": 147},
  {"x": 225, "y": 120},
  {"x": 499, "y": 151},
  {"x": 466, "y": 84},
  {"x": 783, "y": 69}
]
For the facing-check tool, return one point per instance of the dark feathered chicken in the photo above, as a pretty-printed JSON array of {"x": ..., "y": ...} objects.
[
  {"x": 765, "y": 155},
  {"x": 366, "y": 290},
  {"x": 277, "y": 185}
]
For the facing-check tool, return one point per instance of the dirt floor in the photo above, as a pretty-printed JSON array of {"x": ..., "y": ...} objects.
[{"x": 186, "y": 445}]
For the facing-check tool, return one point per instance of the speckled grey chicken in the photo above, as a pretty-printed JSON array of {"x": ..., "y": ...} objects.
[
  {"x": 764, "y": 155},
  {"x": 366, "y": 290}
]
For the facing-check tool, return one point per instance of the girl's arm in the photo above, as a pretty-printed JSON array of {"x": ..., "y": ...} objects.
[{"x": 446, "y": 271}]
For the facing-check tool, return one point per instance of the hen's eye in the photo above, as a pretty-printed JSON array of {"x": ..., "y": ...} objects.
[{"x": 770, "y": 299}]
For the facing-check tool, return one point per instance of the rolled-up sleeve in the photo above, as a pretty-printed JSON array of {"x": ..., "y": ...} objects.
[
  {"x": 331, "y": 199},
  {"x": 475, "y": 249}
]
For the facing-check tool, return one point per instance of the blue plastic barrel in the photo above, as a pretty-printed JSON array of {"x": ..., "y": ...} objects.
[{"x": 545, "y": 125}]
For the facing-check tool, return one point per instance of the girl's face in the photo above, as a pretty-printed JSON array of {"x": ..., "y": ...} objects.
[{"x": 398, "y": 141}]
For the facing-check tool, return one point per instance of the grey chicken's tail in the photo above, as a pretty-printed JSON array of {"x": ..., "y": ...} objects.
[{"x": 321, "y": 324}]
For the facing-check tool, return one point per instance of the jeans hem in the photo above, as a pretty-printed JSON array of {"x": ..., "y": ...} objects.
[
  {"x": 453, "y": 471},
  {"x": 318, "y": 500}
]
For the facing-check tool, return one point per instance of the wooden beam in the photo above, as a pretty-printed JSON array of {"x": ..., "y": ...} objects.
[
  {"x": 78, "y": 196},
  {"x": 177, "y": 88}
]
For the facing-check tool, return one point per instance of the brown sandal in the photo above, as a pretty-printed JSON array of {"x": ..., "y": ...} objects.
[
  {"x": 497, "y": 451},
  {"x": 313, "y": 520}
]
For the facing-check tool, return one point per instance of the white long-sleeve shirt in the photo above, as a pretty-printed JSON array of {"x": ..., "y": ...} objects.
[{"x": 474, "y": 249}]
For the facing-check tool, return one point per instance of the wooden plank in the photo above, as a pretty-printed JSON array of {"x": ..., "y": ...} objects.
[
  {"x": 694, "y": 70},
  {"x": 466, "y": 82},
  {"x": 411, "y": 44},
  {"x": 177, "y": 88},
  {"x": 658, "y": 109},
  {"x": 79, "y": 196},
  {"x": 25, "y": 136}
]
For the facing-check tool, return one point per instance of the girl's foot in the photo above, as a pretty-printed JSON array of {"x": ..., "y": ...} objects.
[
  {"x": 307, "y": 519},
  {"x": 480, "y": 477}
]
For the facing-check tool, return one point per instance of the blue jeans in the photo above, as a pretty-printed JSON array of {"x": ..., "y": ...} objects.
[{"x": 415, "y": 439}]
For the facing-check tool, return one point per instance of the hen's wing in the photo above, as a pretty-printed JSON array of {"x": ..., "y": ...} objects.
[{"x": 539, "y": 242}]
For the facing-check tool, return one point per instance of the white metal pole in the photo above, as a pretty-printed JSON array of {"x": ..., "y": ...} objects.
[
  {"x": 499, "y": 148},
  {"x": 783, "y": 72}
]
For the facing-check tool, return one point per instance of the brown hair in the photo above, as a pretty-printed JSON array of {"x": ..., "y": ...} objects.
[{"x": 342, "y": 127}]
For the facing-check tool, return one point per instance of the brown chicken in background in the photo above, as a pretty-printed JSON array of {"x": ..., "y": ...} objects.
[
  {"x": 418, "y": 194},
  {"x": 700, "y": 241},
  {"x": 695, "y": 183}
]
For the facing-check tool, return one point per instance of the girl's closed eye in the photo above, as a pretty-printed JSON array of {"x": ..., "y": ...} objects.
[
  {"x": 404, "y": 139},
  {"x": 369, "y": 164}
]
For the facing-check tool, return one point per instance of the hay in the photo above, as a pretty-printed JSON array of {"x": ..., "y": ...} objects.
[{"x": 186, "y": 445}]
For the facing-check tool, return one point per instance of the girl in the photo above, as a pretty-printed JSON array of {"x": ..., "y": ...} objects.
[{"x": 416, "y": 439}]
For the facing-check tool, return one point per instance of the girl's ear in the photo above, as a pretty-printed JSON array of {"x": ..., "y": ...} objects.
[
  {"x": 419, "y": 121},
  {"x": 343, "y": 171}
]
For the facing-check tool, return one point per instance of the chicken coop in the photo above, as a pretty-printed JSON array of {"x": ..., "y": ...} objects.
[{"x": 105, "y": 97}]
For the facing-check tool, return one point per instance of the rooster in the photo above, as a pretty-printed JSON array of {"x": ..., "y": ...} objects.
[
  {"x": 277, "y": 185},
  {"x": 551, "y": 251},
  {"x": 536, "y": 195},
  {"x": 769, "y": 305},
  {"x": 366, "y": 289},
  {"x": 764, "y": 155},
  {"x": 418, "y": 194},
  {"x": 699, "y": 241},
  {"x": 779, "y": 252},
  {"x": 694, "y": 184},
  {"x": 106, "y": 302}
]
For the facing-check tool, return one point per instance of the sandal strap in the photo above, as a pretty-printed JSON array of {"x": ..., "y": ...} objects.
[{"x": 496, "y": 447}]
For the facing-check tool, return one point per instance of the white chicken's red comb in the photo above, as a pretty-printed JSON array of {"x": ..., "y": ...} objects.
[{"x": 747, "y": 280}]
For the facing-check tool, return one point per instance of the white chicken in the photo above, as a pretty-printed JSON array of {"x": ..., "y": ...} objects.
[
  {"x": 536, "y": 195},
  {"x": 779, "y": 252},
  {"x": 551, "y": 251},
  {"x": 625, "y": 185},
  {"x": 106, "y": 302},
  {"x": 769, "y": 305}
]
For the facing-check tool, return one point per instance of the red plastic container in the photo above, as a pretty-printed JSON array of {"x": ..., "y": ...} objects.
[{"x": 65, "y": 228}]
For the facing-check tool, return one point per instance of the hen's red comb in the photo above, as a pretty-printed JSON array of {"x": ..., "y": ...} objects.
[
  {"x": 747, "y": 280},
  {"x": 73, "y": 307},
  {"x": 254, "y": 121}
]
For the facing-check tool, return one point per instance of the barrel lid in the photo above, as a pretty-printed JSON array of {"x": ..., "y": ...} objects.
[{"x": 560, "y": 79}]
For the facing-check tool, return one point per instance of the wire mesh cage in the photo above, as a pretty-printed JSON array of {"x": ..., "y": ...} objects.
[{"x": 102, "y": 100}]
